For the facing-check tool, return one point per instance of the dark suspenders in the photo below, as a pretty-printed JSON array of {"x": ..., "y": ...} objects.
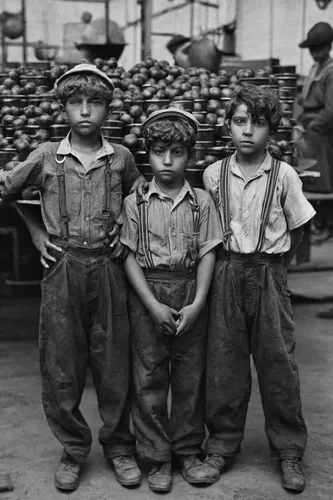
[
  {"x": 225, "y": 202},
  {"x": 143, "y": 223},
  {"x": 62, "y": 197}
]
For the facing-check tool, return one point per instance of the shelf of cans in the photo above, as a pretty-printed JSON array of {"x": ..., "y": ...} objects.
[{"x": 31, "y": 115}]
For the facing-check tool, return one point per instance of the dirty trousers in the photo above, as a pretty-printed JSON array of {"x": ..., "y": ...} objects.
[
  {"x": 84, "y": 322},
  {"x": 251, "y": 314},
  {"x": 159, "y": 361}
]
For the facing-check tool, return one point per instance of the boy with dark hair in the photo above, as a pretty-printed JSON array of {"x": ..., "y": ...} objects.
[
  {"x": 262, "y": 209},
  {"x": 83, "y": 319},
  {"x": 171, "y": 232}
]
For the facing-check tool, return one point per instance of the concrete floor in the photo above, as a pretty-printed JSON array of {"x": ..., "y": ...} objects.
[{"x": 30, "y": 453}]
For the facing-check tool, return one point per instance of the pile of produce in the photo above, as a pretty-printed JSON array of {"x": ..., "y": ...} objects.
[{"x": 30, "y": 114}]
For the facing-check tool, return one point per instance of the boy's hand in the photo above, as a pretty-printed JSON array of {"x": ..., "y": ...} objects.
[
  {"x": 164, "y": 318},
  {"x": 114, "y": 236},
  {"x": 29, "y": 193},
  {"x": 187, "y": 317},
  {"x": 41, "y": 240},
  {"x": 140, "y": 185}
]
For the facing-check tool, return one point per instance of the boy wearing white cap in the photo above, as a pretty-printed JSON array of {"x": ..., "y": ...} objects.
[
  {"x": 171, "y": 233},
  {"x": 83, "y": 319}
]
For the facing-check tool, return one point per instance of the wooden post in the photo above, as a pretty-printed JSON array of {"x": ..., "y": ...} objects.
[
  {"x": 107, "y": 15},
  {"x": 192, "y": 19},
  {"x": 24, "y": 34},
  {"x": 3, "y": 48},
  {"x": 146, "y": 21}
]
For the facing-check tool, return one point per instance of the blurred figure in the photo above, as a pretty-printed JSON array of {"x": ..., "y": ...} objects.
[
  {"x": 317, "y": 103},
  {"x": 179, "y": 46}
]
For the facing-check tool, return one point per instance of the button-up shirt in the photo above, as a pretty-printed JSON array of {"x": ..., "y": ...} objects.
[
  {"x": 171, "y": 227},
  {"x": 289, "y": 210},
  {"x": 85, "y": 188}
]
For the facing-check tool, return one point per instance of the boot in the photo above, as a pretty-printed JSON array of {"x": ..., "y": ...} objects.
[
  {"x": 195, "y": 472},
  {"x": 67, "y": 475},
  {"x": 127, "y": 470},
  {"x": 160, "y": 477},
  {"x": 217, "y": 463},
  {"x": 292, "y": 474}
]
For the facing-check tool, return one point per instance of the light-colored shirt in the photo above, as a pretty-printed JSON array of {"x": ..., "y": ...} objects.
[
  {"x": 85, "y": 188},
  {"x": 171, "y": 227},
  {"x": 289, "y": 210}
]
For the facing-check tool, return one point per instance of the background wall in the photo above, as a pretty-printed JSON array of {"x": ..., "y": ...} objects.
[{"x": 266, "y": 28}]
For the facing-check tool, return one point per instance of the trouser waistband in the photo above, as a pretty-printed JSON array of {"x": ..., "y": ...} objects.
[
  {"x": 75, "y": 250},
  {"x": 256, "y": 258},
  {"x": 169, "y": 275}
]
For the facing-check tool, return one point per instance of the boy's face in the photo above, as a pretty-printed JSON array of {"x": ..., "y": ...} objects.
[
  {"x": 248, "y": 134},
  {"x": 86, "y": 114},
  {"x": 168, "y": 162}
]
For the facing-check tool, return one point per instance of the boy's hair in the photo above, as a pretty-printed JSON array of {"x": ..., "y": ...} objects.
[
  {"x": 259, "y": 102},
  {"x": 168, "y": 131},
  {"x": 88, "y": 84}
]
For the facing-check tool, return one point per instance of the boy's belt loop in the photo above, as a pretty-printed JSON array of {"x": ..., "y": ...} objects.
[{"x": 62, "y": 204}]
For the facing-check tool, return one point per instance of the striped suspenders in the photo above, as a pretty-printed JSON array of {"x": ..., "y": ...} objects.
[
  {"x": 225, "y": 202},
  {"x": 143, "y": 223}
]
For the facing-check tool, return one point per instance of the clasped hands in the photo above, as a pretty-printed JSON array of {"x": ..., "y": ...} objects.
[{"x": 172, "y": 322}]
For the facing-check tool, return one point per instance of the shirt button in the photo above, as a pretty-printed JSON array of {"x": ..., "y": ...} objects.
[
  {"x": 87, "y": 218},
  {"x": 245, "y": 233},
  {"x": 85, "y": 243},
  {"x": 246, "y": 210},
  {"x": 87, "y": 195}
]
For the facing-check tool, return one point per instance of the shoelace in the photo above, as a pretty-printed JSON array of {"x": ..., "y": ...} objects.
[
  {"x": 164, "y": 468},
  {"x": 292, "y": 465},
  {"x": 214, "y": 459},
  {"x": 124, "y": 459}
]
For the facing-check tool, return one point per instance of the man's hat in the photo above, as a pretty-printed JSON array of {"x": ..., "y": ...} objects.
[
  {"x": 175, "y": 42},
  {"x": 172, "y": 114},
  {"x": 319, "y": 34},
  {"x": 84, "y": 69}
]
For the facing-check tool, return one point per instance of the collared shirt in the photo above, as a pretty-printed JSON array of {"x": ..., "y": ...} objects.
[
  {"x": 85, "y": 188},
  {"x": 171, "y": 227},
  {"x": 290, "y": 209}
]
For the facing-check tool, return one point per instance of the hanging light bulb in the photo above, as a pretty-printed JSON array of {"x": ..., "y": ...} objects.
[{"x": 322, "y": 4}]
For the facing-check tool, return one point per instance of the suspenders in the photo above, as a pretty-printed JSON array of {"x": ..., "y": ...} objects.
[
  {"x": 62, "y": 197},
  {"x": 143, "y": 223},
  {"x": 225, "y": 202}
]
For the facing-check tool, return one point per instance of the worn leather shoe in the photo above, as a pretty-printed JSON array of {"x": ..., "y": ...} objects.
[
  {"x": 194, "y": 471},
  {"x": 67, "y": 475},
  {"x": 160, "y": 477},
  {"x": 217, "y": 463},
  {"x": 292, "y": 474},
  {"x": 127, "y": 470}
]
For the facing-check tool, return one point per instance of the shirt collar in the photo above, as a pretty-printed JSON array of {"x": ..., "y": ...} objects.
[
  {"x": 155, "y": 190},
  {"x": 266, "y": 164},
  {"x": 65, "y": 147}
]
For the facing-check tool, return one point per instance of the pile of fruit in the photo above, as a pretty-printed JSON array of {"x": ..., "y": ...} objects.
[{"x": 30, "y": 114}]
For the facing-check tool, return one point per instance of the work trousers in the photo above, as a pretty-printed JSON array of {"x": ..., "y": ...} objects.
[
  {"x": 160, "y": 361},
  {"x": 84, "y": 322},
  {"x": 251, "y": 314}
]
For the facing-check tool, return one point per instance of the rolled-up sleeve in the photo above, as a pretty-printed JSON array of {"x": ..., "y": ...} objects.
[
  {"x": 296, "y": 208},
  {"x": 25, "y": 174},
  {"x": 210, "y": 226},
  {"x": 129, "y": 234}
]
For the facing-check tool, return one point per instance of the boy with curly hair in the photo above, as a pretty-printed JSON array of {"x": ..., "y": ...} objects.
[
  {"x": 83, "y": 318},
  {"x": 262, "y": 209},
  {"x": 171, "y": 233}
]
